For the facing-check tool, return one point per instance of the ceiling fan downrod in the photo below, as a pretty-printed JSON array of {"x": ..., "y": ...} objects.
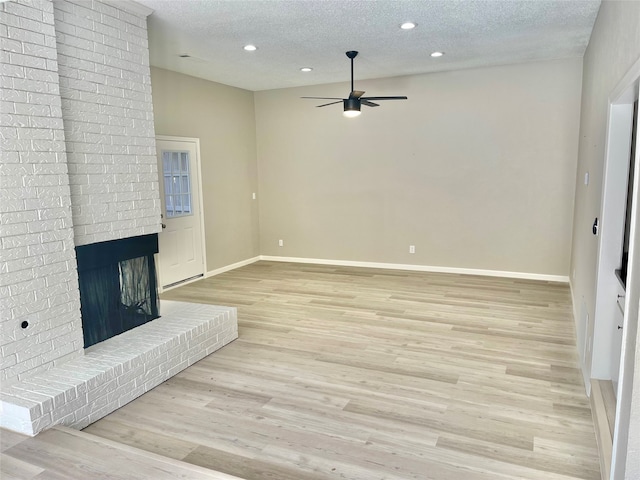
[{"x": 352, "y": 54}]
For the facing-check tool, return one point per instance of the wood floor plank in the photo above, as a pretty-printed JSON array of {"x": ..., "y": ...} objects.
[
  {"x": 247, "y": 467},
  {"x": 540, "y": 460},
  {"x": 13, "y": 468},
  {"x": 158, "y": 443},
  {"x": 8, "y": 439},
  {"x": 342, "y": 372},
  {"x": 63, "y": 453}
]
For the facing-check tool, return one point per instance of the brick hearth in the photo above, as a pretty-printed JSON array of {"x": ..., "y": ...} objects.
[{"x": 114, "y": 372}]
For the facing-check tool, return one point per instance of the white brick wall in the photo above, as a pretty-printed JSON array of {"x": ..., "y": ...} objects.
[
  {"x": 105, "y": 85},
  {"x": 78, "y": 163},
  {"x": 38, "y": 278},
  {"x": 78, "y": 166}
]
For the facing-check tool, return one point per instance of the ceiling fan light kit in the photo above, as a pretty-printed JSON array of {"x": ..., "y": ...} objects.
[
  {"x": 351, "y": 107},
  {"x": 356, "y": 100}
]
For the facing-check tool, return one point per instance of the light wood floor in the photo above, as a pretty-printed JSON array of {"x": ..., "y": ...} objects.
[
  {"x": 375, "y": 374},
  {"x": 62, "y": 453}
]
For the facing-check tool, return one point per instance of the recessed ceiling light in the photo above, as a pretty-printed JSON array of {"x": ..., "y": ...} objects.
[
  {"x": 437, "y": 54},
  {"x": 306, "y": 69},
  {"x": 250, "y": 48},
  {"x": 408, "y": 26}
]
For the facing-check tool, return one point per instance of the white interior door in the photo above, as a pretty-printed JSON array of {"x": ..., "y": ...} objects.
[{"x": 180, "y": 256}]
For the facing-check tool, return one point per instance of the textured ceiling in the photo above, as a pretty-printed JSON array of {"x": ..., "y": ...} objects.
[{"x": 291, "y": 34}]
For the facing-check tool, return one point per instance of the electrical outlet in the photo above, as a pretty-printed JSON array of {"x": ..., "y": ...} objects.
[
  {"x": 412, "y": 249},
  {"x": 253, "y": 195},
  {"x": 281, "y": 243}
]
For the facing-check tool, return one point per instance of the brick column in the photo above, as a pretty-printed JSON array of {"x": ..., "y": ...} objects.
[
  {"x": 78, "y": 163},
  {"x": 38, "y": 277},
  {"x": 105, "y": 86}
]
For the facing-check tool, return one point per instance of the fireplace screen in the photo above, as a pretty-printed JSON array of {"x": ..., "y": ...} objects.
[{"x": 118, "y": 289}]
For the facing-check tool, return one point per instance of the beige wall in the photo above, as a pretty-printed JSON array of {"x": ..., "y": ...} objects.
[
  {"x": 222, "y": 117},
  {"x": 613, "y": 48},
  {"x": 476, "y": 169}
]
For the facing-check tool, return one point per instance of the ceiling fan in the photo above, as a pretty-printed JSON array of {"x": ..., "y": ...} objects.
[{"x": 355, "y": 100}]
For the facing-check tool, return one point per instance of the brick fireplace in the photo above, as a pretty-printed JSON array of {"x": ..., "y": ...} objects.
[{"x": 78, "y": 168}]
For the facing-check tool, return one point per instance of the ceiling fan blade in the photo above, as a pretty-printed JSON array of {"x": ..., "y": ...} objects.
[
  {"x": 368, "y": 103},
  {"x": 356, "y": 94},
  {"x": 332, "y": 103},
  {"x": 384, "y": 98},
  {"x": 324, "y": 98}
]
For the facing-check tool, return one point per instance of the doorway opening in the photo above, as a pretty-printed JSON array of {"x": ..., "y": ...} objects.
[{"x": 624, "y": 261}]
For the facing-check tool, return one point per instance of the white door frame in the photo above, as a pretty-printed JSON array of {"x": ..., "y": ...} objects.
[
  {"x": 619, "y": 118},
  {"x": 200, "y": 199}
]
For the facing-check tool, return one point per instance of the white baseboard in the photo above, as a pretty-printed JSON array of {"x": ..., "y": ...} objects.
[
  {"x": 389, "y": 266},
  {"x": 211, "y": 273},
  {"x": 233, "y": 266},
  {"x": 421, "y": 268}
]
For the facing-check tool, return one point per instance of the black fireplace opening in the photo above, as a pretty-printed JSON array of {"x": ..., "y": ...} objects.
[{"x": 118, "y": 286}]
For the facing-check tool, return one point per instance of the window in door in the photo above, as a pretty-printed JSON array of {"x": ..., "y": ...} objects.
[{"x": 177, "y": 183}]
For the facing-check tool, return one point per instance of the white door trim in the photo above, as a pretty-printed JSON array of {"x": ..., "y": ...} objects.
[{"x": 171, "y": 138}]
